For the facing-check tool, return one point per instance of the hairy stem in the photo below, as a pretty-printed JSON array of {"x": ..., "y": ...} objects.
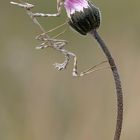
[{"x": 116, "y": 76}]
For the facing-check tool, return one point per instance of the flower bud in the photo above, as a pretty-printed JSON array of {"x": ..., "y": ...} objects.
[{"x": 83, "y": 15}]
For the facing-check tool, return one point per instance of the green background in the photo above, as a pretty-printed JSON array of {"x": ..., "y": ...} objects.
[{"x": 37, "y": 102}]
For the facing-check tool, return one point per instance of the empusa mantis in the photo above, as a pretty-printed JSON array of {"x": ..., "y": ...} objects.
[
  {"x": 84, "y": 17},
  {"x": 57, "y": 44}
]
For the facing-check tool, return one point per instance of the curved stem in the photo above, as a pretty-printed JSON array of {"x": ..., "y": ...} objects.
[{"x": 116, "y": 76}]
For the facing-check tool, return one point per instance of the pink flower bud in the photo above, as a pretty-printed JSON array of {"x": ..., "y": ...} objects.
[{"x": 83, "y": 15}]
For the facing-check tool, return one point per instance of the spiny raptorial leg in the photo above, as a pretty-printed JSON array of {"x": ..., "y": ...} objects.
[
  {"x": 59, "y": 8},
  {"x": 25, "y": 5}
]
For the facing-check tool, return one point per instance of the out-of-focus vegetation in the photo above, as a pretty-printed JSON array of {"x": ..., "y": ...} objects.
[{"x": 39, "y": 103}]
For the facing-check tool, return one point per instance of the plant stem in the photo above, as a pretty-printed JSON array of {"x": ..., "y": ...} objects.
[{"x": 116, "y": 76}]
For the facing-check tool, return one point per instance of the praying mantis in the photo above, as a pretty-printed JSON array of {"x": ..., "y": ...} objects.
[{"x": 53, "y": 42}]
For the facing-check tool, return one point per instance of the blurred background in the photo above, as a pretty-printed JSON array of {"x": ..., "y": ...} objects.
[{"x": 37, "y": 102}]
